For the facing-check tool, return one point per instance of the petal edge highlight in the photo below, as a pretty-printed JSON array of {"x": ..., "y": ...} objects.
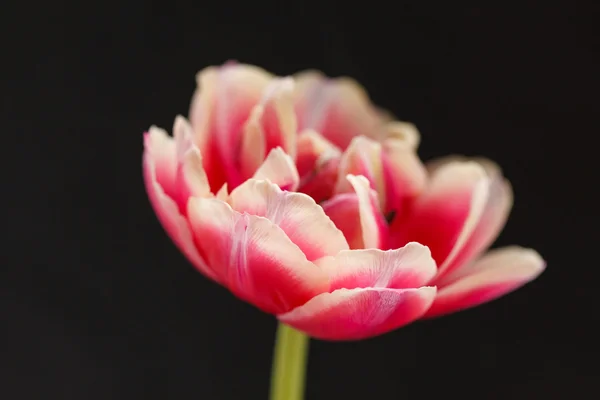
[
  {"x": 253, "y": 257},
  {"x": 354, "y": 314}
]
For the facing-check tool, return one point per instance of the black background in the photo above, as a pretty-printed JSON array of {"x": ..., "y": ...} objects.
[{"x": 97, "y": 303}]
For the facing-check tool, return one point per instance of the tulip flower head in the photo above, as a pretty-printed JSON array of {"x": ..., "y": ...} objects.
[{"x": 302, "y": 198}]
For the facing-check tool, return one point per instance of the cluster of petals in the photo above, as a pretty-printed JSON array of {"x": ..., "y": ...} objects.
[{"x": 302, "y": 198}]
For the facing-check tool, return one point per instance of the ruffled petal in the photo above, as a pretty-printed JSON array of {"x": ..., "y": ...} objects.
[
  {"x": 253, "y": 257},
  {"x": 373, "y": 225},
  {"x": 303, "y": 220},
  {"x": 201, "y": 116},
  {"x": 317, "y": 163},
  {"x": 160, "y": 178},
  {"x": 221, "y": 106},
  {"x": 343, "y": 209},
  {"x": 191, "y": 180},
  {"x": 445, "y": 215},
  {"x": 495, "y": 213},
  {"x": 491, "y": 222},
  {"x": 498, "y": 272},
  {"x": 392, "y": 167},
  {"x": 404, "y": 175},
  {"x": 339, "y": 109},
  {"x": 279, "y": 168},
  {"x": 408, "y": 267},
  {"x": 362, "y": 157},
  {"x": 354, "y": 314},
  {"x": 271, "y": 124}
]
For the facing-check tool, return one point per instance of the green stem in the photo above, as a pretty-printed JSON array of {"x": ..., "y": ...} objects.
[{"x": 289, "y": 364}]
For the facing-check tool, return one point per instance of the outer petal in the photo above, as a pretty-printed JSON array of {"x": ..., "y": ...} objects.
[
  {"x": 404, "y": 174},
  {"x": 339, "y": 109},
  {"x": 404, "y": 268},
  {"x": 160, "y": 172},
  {"x": 491, "y": 222},
  {"x": 444, "y": 217},
  {"x": 359, "y": 313},
  {"x": 303, "y": 220},
  {"x": 495, "y": 274},
  {"x": 279, "y": 168},
  {"x": 317, "y": 163},
  {"x": 494, "y": 216},
  {"x": 254, "y": 257}
]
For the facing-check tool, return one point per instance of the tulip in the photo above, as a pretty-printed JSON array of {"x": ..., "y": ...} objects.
[{"x": 302, "y": 198}]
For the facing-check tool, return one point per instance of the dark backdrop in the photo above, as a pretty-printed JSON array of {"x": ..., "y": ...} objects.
[{"x": 98, "y": 304}]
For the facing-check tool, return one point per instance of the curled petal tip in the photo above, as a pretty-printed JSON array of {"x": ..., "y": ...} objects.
[
  {"x": 280, "y": 169},
  {"x": 303, "y": 220}
]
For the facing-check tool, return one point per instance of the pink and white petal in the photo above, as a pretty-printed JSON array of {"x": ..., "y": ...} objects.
[
  {"x": 317, "y": 162},
  {"x": 319, "y": 183},
  {"x": 239, "y": 88},
  {"x": 313, "y": 151},
  {"x": 408, "y": 267},
  {"x": 362, "y": 157},
  {"x": 253, "y": 146},
  {"x": 343, "y": 210},
  {"x": 160, "y": 159},
  {"x": 498, "y": 272},
  {"x": 404, "y": 131},
  {"x": 310, "y": 107},
  {"x": 404, "y": 176},
  {"x": 279, "y": 168},
  {"x": 202, "y": 106},
  {"x": 253, "y": 257},
  {"x": 279, "y": 119},
  {"x": 339, "y": 109},
  {"x": 373, "y": 225},
  {"x": 445, "y": 215},
  {"x": 191, "y": 178},
  {"x": 202, "y": 119},
  {"x": 354, "y": 314},
  {"x": 491, "y": 222},
  {"x": 303, "y": 220},
  {"x": 271, "y": 124},
  {"x": 223, "y": 193}
]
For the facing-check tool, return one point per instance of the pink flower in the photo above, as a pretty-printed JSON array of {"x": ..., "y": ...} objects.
[{"x": 302, "y": 198}]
